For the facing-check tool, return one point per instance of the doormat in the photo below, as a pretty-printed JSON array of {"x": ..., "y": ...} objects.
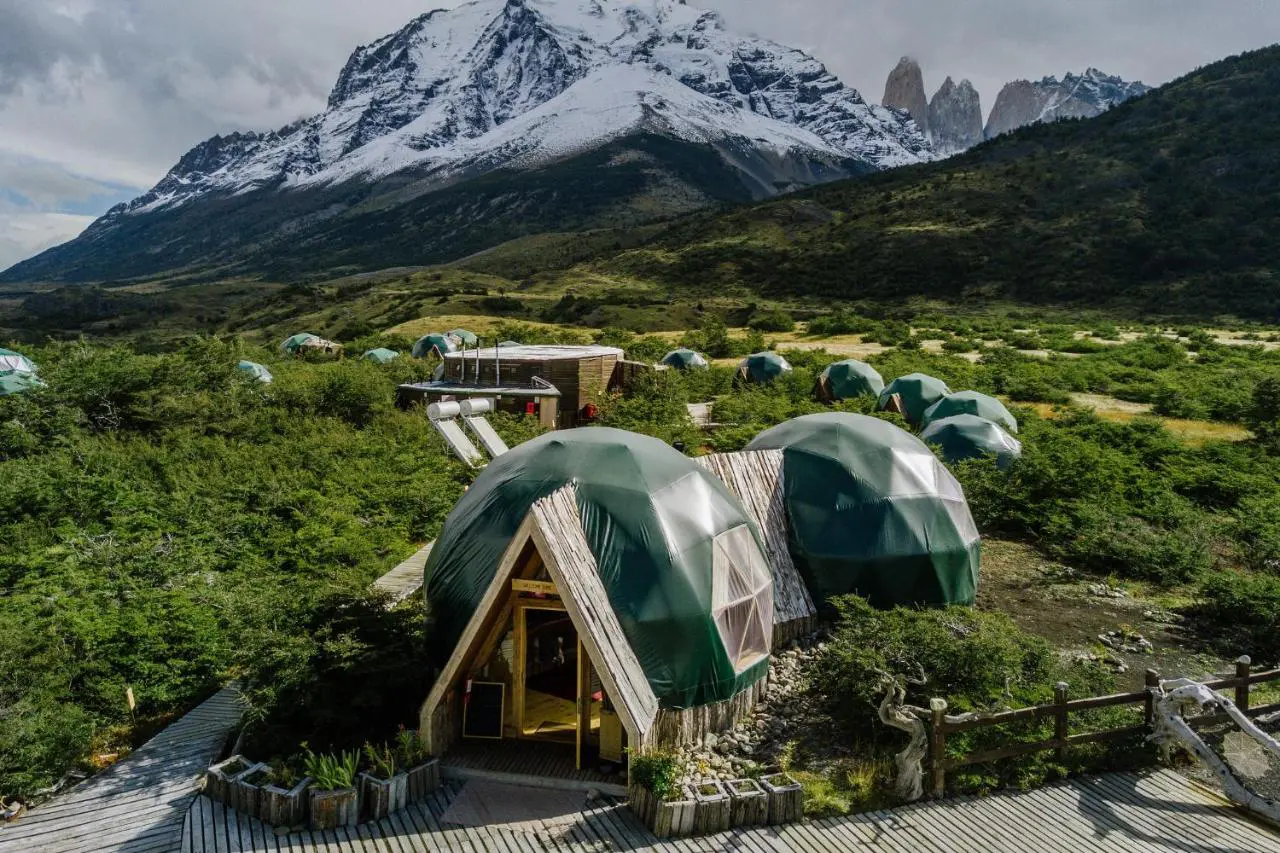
[{"x": 491, "y": 804}]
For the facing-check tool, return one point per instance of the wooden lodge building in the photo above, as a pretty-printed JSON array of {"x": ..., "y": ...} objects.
[{"x": 554, "y": 383}]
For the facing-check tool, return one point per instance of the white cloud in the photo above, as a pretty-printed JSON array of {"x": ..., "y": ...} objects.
[{"x": 23, "y": 234}]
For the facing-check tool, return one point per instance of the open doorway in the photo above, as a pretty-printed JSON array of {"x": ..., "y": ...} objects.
[{"x": 557, "y": 697}]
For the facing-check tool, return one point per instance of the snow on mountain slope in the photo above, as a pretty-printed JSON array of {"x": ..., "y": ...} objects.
[{"x": 477, "y": 87}]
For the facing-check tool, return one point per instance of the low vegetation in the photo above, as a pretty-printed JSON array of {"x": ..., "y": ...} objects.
[{"x": 167, "y": 523}]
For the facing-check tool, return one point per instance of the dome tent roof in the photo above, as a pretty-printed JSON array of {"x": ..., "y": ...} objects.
[
  {"x": 917, "y": 392},
  {"x": 872, "y": 511},
  {"x": 684, "y": 359},
  {"x": 381, "y": 355},
  {"x": 17, "y": 383},
  {"x": 294, "y": 343},
  {"x": 847, "y": 379},
  {"x": 964, "y": 437},
  {"x": 257, "y": 371},
  {"x": 971, "y": 403},
  {"x": 464, "y": 337},
  {"x": 16, "y": 362},
  {"x": 436, "y": 342},
  {"x": 763, "y": 367},
  {"x": 675, "y": 550}
]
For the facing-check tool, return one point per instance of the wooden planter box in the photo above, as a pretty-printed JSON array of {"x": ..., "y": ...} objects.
[
  {"x": 381, "y": 797},
  {"x": 280, "y": 807},
  {"x": 665, "y": 818},
  {"x": 786, "y": 798},
  {"x": 748, "y": 803},
  {"x": 246, "y": 788},
  {"x": 332, "y": 809},
  {"x": 424, "y": 780},
  {"x": 220, "y": 778},
  {"x": 713, "y": 808}
]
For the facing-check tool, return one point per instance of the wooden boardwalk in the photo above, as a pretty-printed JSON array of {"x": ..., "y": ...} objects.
[
  {"x": 405, "y": 579},
  {"x": 139, "y": 804},
  {"x": 1158, "y": 812}
]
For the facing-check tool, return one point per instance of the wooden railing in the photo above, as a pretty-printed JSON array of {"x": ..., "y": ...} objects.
[{"x": 1060, "y": 710}]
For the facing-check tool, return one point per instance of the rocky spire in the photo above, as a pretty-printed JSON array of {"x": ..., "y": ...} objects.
[
  {"x": 955, "y": 117},
  {"x": 904, "y": 90}
]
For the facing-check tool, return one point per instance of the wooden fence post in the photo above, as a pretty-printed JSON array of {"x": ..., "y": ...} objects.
[
  {"x": 1152, "y": 684},
  {"x": 938, "y": 746},
  {"x": 1060, "y": 725},
  {"x": 1244, "y": 665}
]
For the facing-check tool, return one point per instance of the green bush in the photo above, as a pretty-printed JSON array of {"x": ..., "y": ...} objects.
[
  {"x": 658, "y": 771},
  {"x": 1248, "y": 605},
  {"x": 772, "y": 321},
  {"x": 977, "y": 661}
]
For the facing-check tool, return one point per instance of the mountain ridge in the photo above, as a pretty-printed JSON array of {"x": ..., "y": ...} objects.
[{"x": 507, "y": 85}]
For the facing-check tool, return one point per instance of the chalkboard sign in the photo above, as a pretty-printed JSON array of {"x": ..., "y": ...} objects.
[{"x": 482, "y": 715}]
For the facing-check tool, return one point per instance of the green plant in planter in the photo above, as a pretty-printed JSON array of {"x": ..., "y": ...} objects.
[
  {"x": 331, "y": 772},
  {"x": 380, "y": 760},
  {"x": 283, "y": 774},
  {"x": 410, "y": 749},
  {"x": 657, "y": 771}
]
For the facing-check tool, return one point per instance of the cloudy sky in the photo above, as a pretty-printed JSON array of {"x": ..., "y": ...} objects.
[{"x": 98, "y": 98}]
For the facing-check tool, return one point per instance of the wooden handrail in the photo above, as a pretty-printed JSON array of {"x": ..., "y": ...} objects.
[{"x": 942, "y": 725}]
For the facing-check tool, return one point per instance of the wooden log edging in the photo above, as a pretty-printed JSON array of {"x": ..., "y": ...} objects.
[{"x": 715, "y": 807}]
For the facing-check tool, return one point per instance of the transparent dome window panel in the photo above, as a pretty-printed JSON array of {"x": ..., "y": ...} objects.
[{"x": 742, "y": 597}]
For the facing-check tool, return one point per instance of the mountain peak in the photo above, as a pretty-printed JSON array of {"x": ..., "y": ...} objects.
[{"x": 518, "y": 85}]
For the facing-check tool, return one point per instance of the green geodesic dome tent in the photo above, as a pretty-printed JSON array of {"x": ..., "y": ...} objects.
[
  {"x": 464, "y": 337},
  {"x": 294, "y": 343},
  {"x": 962, "y": 437},
  {"x": 434, "y": 343},
  {"x": 872, "y": 511},
  {"x": 845, "y": 380},
  {"x": 762, "y": 368},
  {"x": 16, "y": 362},
  {"x": 684, "y": 359},
  {"x": 257, "y": 371},
  {"x": 17, "y": 383},
  {"x": 971, "y": 403},
  {"x": 914, "y": 393},
  {"x": 660, "y": 528},
  {"x": 381, "y": 355}
]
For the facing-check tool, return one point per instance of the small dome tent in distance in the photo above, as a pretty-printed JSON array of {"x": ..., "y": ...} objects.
[
  {"x": 911, "y": 396},
  {"x": 848, "y": 379}
]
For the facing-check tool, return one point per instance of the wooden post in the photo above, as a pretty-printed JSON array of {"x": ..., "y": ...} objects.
[
  {"x": 938, "y": 746},
  {"x": 1060, "y": 722},
  {"x": 1244, "y": 665},
  {"x": 1152, "y": 684}
]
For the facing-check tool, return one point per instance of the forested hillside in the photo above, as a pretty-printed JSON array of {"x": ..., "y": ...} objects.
[{"x": 1169, "y": 203}]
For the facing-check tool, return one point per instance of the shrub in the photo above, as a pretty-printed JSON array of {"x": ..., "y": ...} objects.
[
  {"x": 772, "y": 321},
  {"x": 331, "y": 772},
  {"x": 657, "y": 771},
  {"x": 1249, "y": 605}
]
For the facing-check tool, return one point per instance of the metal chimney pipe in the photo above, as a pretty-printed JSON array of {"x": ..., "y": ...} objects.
[{"x": 497, "y": 365}]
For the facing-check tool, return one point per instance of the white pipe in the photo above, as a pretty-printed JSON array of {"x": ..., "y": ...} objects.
[
  {"x": 497, "y": 365},
  {"x": 477, "y": 406}
]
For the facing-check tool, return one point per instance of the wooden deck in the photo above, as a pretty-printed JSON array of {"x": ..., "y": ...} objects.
[
  {"x": 405, "y": 579},
  {"x": 525, "y": 762},
  {"x": 139, "y": 804},
  {"x": 1159, "y": 812}
]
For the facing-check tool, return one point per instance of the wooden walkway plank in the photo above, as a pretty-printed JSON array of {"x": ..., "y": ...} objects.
[
  {"x": 407, "y": 578},
  {"x": 143, "y": 802}
]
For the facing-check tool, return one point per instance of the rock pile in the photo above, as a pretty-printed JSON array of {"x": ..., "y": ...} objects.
[{"x": 754, "y": 745}]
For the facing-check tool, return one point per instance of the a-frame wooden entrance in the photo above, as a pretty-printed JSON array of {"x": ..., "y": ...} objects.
[{"x": 549, "y": 557}]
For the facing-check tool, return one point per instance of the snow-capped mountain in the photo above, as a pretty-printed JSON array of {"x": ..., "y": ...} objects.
[
  {"x": 459, "y": 92},
  {"x": 437, "y": 140},
  {"x": 1086, "y": 95}
]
